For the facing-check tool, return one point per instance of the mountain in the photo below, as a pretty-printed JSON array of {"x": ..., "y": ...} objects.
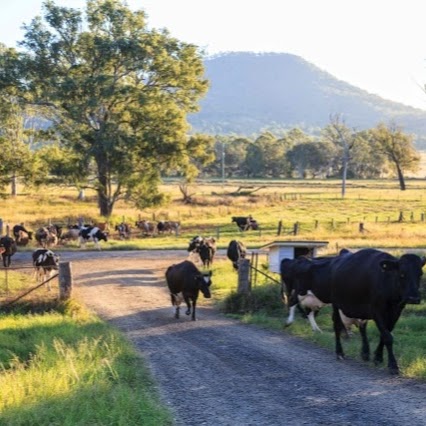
[{"x": 251, "y": 92}]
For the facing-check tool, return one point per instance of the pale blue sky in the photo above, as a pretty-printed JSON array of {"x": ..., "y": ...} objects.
[{"x": 377, "y": 45}]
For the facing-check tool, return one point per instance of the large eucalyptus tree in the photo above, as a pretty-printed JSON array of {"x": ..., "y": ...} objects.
[{"x": 120, "y": 93}]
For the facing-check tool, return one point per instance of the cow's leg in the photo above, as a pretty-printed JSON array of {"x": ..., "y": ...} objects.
[
  {"x": 378, "y": 353},
  {"x": 338, "y": 326},
  {"x": 47, "y": 275},
  {"x": 365, "y": 348},
  {"x": 176, "y": 303},
  {"x": 188, "y": 305},
  {"x": 311, "y": 318},
  {"x": 387, "y": 339},
  {"x": 194, "y": 302}
]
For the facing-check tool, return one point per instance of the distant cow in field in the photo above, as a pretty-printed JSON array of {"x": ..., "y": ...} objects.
[
  {"x": 71, "y": 234},
  {"x": 168, "y": 226},
  {"x": 185, "y": 282},
  {"x": 7, "y": 249},
  {"x": 46, "y": 237},
  {"x": 245, "y": 223},
  {"x": 372, "y": 284},
  {"x": 124, "y": 230},
  {"x": 44, "y": 261},
  {"x": 236, "y": 251},
  {"x": 22, "y": 236},
  {"x": 147, "y": 228},
  {"x": 92, "y": 233}
]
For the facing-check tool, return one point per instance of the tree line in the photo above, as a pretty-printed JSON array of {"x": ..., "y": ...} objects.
[{"x": 382, "y": 151}]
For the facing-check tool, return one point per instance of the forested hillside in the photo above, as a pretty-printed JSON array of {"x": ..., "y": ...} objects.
[{"x": 252, "y": 92}]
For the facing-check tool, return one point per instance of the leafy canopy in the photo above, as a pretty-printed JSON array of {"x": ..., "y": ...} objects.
[{"x": 119, "y": 93}]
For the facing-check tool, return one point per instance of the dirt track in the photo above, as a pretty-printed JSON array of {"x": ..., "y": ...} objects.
[{"x": 217, "y": 371}]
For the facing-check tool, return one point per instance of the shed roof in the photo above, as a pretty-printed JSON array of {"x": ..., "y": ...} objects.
[{"x": 298, "y": 243}]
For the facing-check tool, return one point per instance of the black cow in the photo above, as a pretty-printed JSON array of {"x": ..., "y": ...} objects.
[
  {"x": 372, "y": 284},
  {"x": 92, "y": 233},
  {"x": 236, "y": 251},
  {"x": 245, "y": 223},
  {"x": 185, "y": 281},
  {"x": 8, "y": 249},
  {"x": 44, "y": 261}
]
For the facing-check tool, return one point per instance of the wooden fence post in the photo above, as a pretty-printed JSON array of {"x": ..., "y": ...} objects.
[
  {"x": 280, "y": 227},
  {"x": 65, "y": 281},
  {"x": 244, "y": 284},
  {"x": 296, "y": 228}
]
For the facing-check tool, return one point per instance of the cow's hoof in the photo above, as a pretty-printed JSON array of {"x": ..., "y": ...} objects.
[
  {"x": 378, "y": 361},
  {"x": 187, "y": 312},
  {"x": 394, "y": 371},
  {"x": 365, "y": 357},
  {"x": 340, "y": 357},
  {"x": 287, "y": 324}
]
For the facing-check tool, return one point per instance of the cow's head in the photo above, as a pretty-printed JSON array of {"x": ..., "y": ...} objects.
[
  {"x": 195, "y": 243},
  {"x": 408, "y": 270},
  {"x": 102, "y": 236},
  {"x": 204, "y": 281}
]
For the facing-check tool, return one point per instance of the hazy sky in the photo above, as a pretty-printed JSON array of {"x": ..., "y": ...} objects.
[{"x": 376, "y": 45}]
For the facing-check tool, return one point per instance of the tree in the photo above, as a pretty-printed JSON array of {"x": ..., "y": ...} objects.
[
  {"x": 120, "y": 93},
  {"x": 344, "y": 139},
  {"x": 17, "y": 160},
  {"x": 311, "y": 158},
  {"x": 398, "y": 148}
]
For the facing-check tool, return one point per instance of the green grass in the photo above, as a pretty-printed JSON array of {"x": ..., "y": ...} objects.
[
  {"x": 263, "y": 307},
  {"x": 67, "y": 367}
]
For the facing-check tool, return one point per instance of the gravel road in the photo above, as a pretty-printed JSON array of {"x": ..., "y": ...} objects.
[{"x": 217, "y": 371}]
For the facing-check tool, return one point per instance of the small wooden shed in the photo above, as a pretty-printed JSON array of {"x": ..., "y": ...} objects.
[{"x": 279, "y": 250}]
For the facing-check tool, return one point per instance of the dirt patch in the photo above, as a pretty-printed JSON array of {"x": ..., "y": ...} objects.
[{"x": 217, "y": 371}]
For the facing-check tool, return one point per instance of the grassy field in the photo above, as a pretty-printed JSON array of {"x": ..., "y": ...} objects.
[{"x": 390, "y": 217}]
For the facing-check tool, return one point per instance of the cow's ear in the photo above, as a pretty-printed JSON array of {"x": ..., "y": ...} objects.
[
  {"x": 389, "y": 265},
  {"x": 423, "y": 260},
  {"x": 210, "y": 273}
]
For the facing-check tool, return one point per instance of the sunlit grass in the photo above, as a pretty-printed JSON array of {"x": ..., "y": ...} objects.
[
  {"x": 317, "y": 206},
  {"x": 71, "y": 368}
]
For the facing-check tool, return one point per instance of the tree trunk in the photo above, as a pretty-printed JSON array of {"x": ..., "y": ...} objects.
[
  {"x": 400, "y": 178},
  {"x": 344, "y": 174},
  {"x": 14, "y": 186},
  {"x": 105, "y": 206}
]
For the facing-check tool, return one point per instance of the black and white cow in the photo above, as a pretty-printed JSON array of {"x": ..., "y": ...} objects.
[
  {"x": 245, "y": 223},
  {"x": 44, "y": 261},
  {"x": 7, "y": 249},
  {"x": 124, "y": 230},
  {"x": 205, "y": 247},
  {"x": 236, "y": 251},
  {"x": 306, "y": 285},
  {"x": 372, "y": 284},
  {"x": 92, "y": 233},
  {"x": 185, "y": 282}
]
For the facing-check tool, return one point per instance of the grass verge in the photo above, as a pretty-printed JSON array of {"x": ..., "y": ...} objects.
[{"x": 67, "y": 367}]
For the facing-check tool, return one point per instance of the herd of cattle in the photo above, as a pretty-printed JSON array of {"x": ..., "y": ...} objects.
[
  {"x": 368, "y": 284},
  {"x": 364, "y": 285}
]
